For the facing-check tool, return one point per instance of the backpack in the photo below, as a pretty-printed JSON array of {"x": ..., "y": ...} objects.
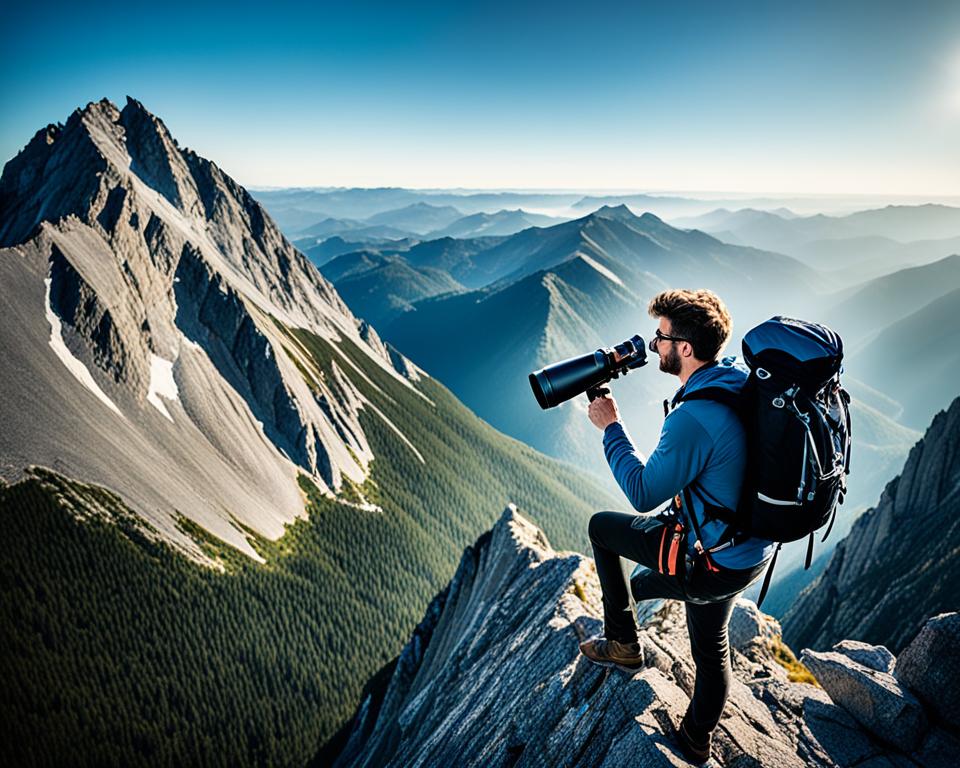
[{"x": 797, "y": 421}]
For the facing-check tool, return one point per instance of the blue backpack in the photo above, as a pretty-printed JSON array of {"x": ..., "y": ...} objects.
[{"x": 797, "y": 421}]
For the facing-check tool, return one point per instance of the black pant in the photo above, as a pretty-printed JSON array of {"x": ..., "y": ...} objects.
[{"x": 708, "y": 598}]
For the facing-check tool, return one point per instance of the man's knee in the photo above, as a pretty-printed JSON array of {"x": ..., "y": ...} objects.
[{"x": 597, "y": 525}]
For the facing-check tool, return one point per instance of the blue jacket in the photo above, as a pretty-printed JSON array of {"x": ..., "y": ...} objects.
[{"x": 702, "y": 441}]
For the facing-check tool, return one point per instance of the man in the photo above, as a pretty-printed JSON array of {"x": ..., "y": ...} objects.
[{"x": 702, "y": 449}]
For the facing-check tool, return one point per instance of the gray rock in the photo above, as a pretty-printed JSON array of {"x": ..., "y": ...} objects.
[
  {"x": 873, "y": 656},
  {"x": 875, "y": 699},
  {"x": 930, "y": 667},
  {"x": 748, "y": 623}
]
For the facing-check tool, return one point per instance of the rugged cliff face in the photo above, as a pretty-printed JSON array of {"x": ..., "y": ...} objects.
[
  {"x": 900, "y": 563},
  {"x": 146, "y": 301},
  {"x": 492, "y": 676}
]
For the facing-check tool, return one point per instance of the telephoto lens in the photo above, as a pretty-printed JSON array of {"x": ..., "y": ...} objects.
[{"x": 561, "y": 381}]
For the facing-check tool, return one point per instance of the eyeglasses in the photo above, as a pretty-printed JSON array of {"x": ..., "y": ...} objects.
[{"x": 657, "y": 336}]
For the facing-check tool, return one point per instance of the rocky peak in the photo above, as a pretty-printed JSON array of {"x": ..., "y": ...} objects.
[
  {"x": 170, "y": 294},
  {"x": 615, "y": 212},
  {"x": 493, "y": 676},
  {"x": 898, "y": 564},
  {"x": 155, "y": 158}
]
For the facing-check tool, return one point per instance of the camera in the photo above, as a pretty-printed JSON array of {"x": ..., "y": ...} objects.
[{"x": 558, "y": 382}]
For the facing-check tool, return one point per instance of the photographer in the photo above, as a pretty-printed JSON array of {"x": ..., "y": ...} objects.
[{"x": 698, "y": 464}]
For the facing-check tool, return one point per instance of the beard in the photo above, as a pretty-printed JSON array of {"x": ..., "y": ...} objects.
[{"x": 670, "y": 362}]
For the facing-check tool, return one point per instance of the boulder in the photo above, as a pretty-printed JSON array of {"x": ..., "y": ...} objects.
[
  {"x": 930, "y": 667},
  {"x": 748, "y": 622},
  {"x": 876, "y": 657},
  {"x": 874, "y": 698}
]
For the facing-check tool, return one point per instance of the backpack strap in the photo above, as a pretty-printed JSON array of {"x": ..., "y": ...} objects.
[
  {"x": 766, "y": 578},
  {"x": 698, "y": 544},
  {"x": 720, "y": 395}
]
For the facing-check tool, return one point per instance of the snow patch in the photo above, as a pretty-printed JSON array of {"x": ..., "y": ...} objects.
[
  {"x": 601, "y": 269},
  {"x": 72, "y": 363},
  {"x": 162, "y": 384}
]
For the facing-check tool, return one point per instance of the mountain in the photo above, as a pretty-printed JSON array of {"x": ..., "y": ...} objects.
[
  {"x": 852, "y": 248},
  {"x": 452, "y": 255},
  {"x": 191, "y": 411},
  {"x": 340, "y": 203},
  {"x": 856, "y": 259},
  {"x": 320, "y": 251},
  {"x": 562, "y": 291},
  {"x": 361, "y": 203},
  {"x": 596, "y": 276},
  {"x": 386, "y": 285},
  {"x": 901, "y": 222},
  {"x": 499, "y": 223},
  {"x": 482, "y": 344},
  {"x": 636, "y": 247},
  {"x": 746, "y": 226},
  {"x": 418, "y": 218},
  {"x": 862, "y": 311},
  {"x": 147, "y": 295},
  {"x": 492, "y": 675},
  {"x": 916, "y": 360},
  {"x": 899, "y": 564},
  {"x": 366, "y": 230}
]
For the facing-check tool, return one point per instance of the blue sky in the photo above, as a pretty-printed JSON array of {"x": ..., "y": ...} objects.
[{"x": 754, "y": 97}]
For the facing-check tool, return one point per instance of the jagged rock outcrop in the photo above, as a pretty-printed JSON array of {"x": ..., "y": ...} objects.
[
  {"x": 900, "y": 563},
  {"x": 147, "y": 300},
  {"x": 492, "y": 676},
  {"x": 874, "y": 697},
  {"x": 935, "y": 683}
]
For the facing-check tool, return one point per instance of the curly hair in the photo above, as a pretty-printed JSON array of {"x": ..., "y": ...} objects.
[{"x": 700, "y": 316}]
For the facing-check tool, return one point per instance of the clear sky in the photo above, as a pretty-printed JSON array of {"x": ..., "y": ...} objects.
[{"x": 804, "y": 97}]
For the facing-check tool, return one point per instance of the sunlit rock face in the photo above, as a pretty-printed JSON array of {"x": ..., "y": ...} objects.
[
  {"x": 147, "y": 300},
  {"x": 492, "y": 676}
]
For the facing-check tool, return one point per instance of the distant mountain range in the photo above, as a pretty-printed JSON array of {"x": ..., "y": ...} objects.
[
  {"x": 851, "y": 248},
  {"x": 388, "y": 285},
  {"x": 294, "y": 209},
  {"x": 320, "y": 250},
  {"x": 916, "y": 360},
  {"x": 418, "y": 218},
  {"x": 766, "y": 229},
  {"x": 861, "y": 312},
  {"x": 427, "y": 222},
  {"x": 499, "y": 223},
  {"x": 363, "y": 230},
  {"x": 549, "y": 293},
  {"x": 546, "y": 294}
]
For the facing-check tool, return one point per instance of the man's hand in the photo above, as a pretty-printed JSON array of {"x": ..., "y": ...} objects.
[{"x": 603, "y": 411}]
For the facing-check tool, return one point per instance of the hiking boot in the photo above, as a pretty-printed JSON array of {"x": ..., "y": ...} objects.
[
  {"x": 692, "y": 747},
  {"x": 613, "y": 653}
]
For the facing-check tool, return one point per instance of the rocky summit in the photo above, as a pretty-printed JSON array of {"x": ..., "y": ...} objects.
[
  {"x": 492, "y": 676},
  {"x": 146, "y": 337}
]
